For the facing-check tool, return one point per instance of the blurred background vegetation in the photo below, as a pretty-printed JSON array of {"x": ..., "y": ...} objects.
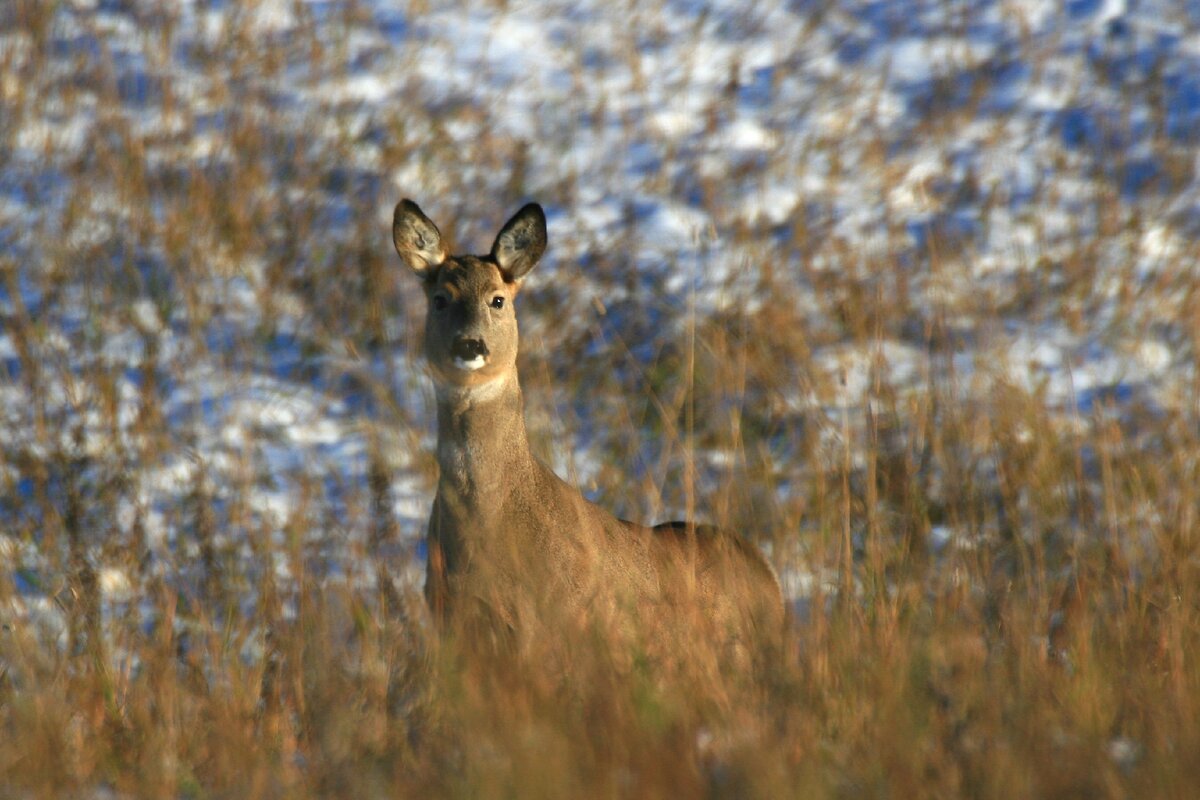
[{"x": 905, "y": 292}]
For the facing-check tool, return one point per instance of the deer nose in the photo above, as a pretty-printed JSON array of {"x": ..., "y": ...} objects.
[{"x": 468, "y": 349}]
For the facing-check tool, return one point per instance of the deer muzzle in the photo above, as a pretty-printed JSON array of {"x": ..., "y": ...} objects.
[{"x": 469, "y": 354}]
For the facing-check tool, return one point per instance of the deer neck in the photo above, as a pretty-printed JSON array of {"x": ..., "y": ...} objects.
[{"x": 482, "y": 447}]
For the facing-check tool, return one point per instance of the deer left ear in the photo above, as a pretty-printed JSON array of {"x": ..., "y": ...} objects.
[{"x": 521, "y": 242}]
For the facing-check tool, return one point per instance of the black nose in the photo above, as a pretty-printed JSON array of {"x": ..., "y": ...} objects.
[{"x": 468, "y": 349}]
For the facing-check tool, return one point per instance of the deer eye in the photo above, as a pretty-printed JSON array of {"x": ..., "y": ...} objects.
[
  {"x": 439, "y": 302},
  {"x": 497, "y": 302}
]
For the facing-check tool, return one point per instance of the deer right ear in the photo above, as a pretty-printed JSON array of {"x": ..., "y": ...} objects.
[{"x": 417, "y": 240}]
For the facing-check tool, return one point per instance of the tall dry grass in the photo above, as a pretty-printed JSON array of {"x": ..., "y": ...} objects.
[{"x": 995, "y": 595}]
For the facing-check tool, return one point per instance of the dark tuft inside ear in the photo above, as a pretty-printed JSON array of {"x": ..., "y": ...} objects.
[
  {"x": 417, "y": 239},
  {"x": 521, "y": 242}
]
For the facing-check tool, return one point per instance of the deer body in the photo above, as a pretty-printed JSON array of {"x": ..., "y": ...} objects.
[{"x": 508, "y": 539}]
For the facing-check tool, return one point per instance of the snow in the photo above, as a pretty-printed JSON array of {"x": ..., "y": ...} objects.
[
  {"x": 853, "y": 370},
  {"x": 913, "y": 60}
]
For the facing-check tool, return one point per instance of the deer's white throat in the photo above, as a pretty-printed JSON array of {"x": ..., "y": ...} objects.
[{"x": 477, "y": 392}]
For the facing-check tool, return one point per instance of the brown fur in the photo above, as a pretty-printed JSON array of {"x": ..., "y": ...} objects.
[{"x": 509, "y": 541}]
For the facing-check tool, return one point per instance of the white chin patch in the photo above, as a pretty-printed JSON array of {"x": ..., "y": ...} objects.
[{"x": 471, "y": 364}]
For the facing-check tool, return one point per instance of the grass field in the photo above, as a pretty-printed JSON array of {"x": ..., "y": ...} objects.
[{"x": 906, "y": 293}]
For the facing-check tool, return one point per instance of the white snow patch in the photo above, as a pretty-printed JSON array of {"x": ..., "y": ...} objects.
[
  {"x": 851, "y": 371},
  {"x": 775, "y": 203},
  {"x": 1154, "y": 357},
  {"x": 114, "y": 583},
  {"x": 747, "y": 134},
  {"x": 920, "y": 59},
  {"x": 40, "y": 137}
]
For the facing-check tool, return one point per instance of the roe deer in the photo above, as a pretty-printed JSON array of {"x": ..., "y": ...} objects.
[{"x": 508, "y": 540}]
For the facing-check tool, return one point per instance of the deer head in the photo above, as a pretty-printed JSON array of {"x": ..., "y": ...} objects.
[{"x": 471, "y": 325}]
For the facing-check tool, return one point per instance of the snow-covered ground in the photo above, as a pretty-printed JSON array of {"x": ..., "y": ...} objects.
[{"x": 1027, "y": 168}]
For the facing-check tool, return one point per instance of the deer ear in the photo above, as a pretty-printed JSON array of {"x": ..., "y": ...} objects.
[
  {"x": 521, "y": 242},
  {"x": 417, "y": 240}
]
